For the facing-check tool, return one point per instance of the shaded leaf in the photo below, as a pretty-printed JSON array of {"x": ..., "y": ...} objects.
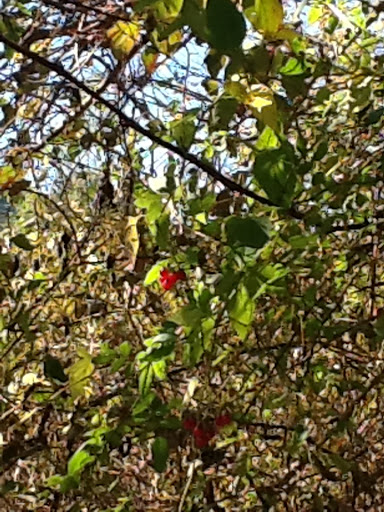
[
  {"x": 226, "y": 25},
  {"x": 183, "y": 131},
  {"x": 22, "y": 242},
  {"x": 53, "y": 369},
  {"x": 246, "y": 232},
  {"x": 276, "y": 173},
  {"x": 223, "y": 111},
  {"x": 160, "y": 453}
]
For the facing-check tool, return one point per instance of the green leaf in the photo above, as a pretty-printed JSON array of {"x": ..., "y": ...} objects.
[
  {"x": 68, "y": 483},
  {"x": 241, "y": 312},
  {"x": 342, "y": 464},
  {"x": 214, "y": 62},
  {"x": 321, "y": 151},
  {"x": 266, "y": 16},
  {"x": 223, "y": 111},
  {"x": 153, "y": 273},
  {"x": 163, "y": 346},
  {"x": 275, "y": 172},
  {"x": 267, "y": 140},
  {"x": 53, "y": 369},
  {"x": 160, "y": 453},
  {"x": 293, "y": 67},
  {"x": 22, "y": 242},
  {"x": 162, "y": 234},
  {"x": 152, "y": 202},
  {"x": 188, "y": 316},
  {"x": 226, "y": 25},
  {"x": 246, "y": 232},
  {"x": 203, "y": 204},
  {"x": 194, "y": 349},
  {"x": 146, "y": 378},
  {"x": 144, "y": 403},
  {"x": 196, "y": 18},
  {"x": 167, "y": 10},
  {"x": 5, "y": 262},
  {"x": 183, "y": 131},
  {"x": 295, "y": 85},
  {"x": 375, "y": 115},
  {"x": 228, "y": 283},
  {"x": 125, "y": 349},
  {"x": 303, "y": 241},
  {"x": 78, "y": 461},
  {"x": 79, "y": 374}
]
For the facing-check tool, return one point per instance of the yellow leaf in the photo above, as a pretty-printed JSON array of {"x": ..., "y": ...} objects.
[
  {"x": 150, "y": 61},
  {"x": 264, "y": 108},
  {"x": 124, "y": 36},
  {"x": 132, "y": 240},
  {"x": 7, "y": 175},
  {"x": 314, "y": 14},
  {"x": 192, "y": 386},
  {"x": 79, "y": 374},
  {"x": 175, "y": 37},
  {"x": 259, "y": 101},
  {"x": 30, "y": 109},
  {"x": 268, "y": 16}
]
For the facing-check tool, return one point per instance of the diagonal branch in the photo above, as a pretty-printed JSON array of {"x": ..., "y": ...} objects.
[{"x": 131, "y": 123}]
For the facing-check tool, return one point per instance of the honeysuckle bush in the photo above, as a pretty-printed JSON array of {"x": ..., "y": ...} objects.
[{"x": 191, "y": 304}]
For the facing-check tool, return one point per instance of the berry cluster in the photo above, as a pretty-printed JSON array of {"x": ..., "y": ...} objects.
[{"x": 202, "y": 434}]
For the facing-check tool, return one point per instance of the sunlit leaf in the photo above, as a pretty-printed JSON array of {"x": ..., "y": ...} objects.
[
  {"x": 241, "y": 312},
  {"x": 132, "y": 240},
  {"x": 124, "y": 36},
  {"x": 266, "y": 16},
  {"x": 167, "y": 10},
  {"x": 315, "y": 13},
  {"x": 78, "y": 461},
  {"x": 79, "y": 374},
  {"x": 152, "y": 202}
]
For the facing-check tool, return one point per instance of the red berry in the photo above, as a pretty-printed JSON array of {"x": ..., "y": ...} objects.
[
  {"x": 201, "y": 441},
  {"x": 198, "y": 431},
  {"x": 222, "y": 420},
  {"x": 169, "y": 279},
  {"x": 202, "y": 437},
  {"x": 189, "y": 424}
]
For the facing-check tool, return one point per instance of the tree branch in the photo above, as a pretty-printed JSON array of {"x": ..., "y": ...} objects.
[{"x": 131, "y": 123}]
